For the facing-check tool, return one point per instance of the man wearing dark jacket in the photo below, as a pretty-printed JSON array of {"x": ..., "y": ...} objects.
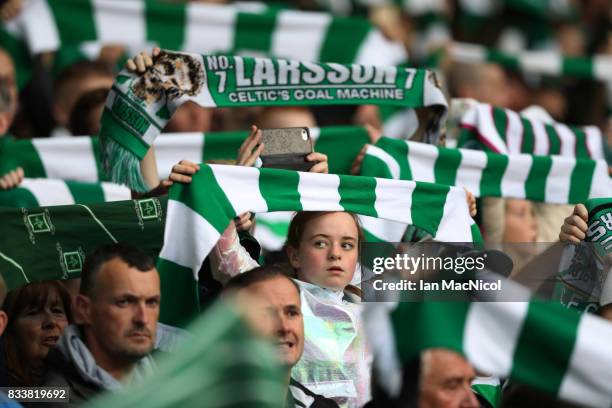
[{"x": 117, "y": 312}]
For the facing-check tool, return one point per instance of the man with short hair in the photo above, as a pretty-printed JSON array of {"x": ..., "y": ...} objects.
[
  {"x": 446, "y": 379},
  {"x": 274, "y": 309},
  {"x": 116, "y": 311}
]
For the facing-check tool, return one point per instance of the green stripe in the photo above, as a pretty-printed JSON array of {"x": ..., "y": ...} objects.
[
  {"x": 222, "y": 145},
  {"x": 535, "y": 350},
  {"x": 358, "y": 195},
  {"x": 18, "y": 197},
  {"x": 581, "y": 146},
  {"x": 576, "y": 66},
  {"x": 501, "y": 122},
  {"x": 398, "y": 149},
  {"x": 554, "y": 142},
  {"x": 209, "y": 200},
  {"x": 254, "y": 32},
  {"x": 427, "y": 207},
  {"x": 85, "y": 193},
  {"x": 535, "y": 185},
  {"x": 372, "y": 166},
  {"x": 179, "y": 291},
  {"x": 490, "y": 182},
  {"x": 24, "y": 153},
  {"x": 74, "y": 20},
  {"x": 280, "y": 189},
  {"x": 581, "y": 180},
  {"x": 341, "y": 144},
  {"x": 420, "y": 317},
  {"x": 528, "y": 137},
  {"x": 95, "y": 147},
  {"x": 446, "y": 166},
  {"x": 504, "y": 59},
  {"x": 343, "y": 39},
  {"x": 166, "y": 24}
]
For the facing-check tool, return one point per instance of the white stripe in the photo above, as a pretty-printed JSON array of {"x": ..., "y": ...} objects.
[
  {"x": 375, "y": 49},
  {"x": 601, "y": 186},
  {"x": 541, "y": 146},
  {"x": 120, "y": 21},
  {"x": 568, "y": 140},
  {"x": 594, "y": 141},
  {"x": 513, "y": 181},
  {"x": 602, "y": 67},
  {"x": 402, "y": 125},
  {"x": 394, "y": 200},
  {"x": 39, "y": 27},
  {"x": 268, "y": 239},
  {"x": 48, "y": 192},
  {"x": 241, "y": 187},
  {"x": 81, "y": 164},
  {"x": 558, "y": 182},
  {"x": 210, "y": 28},
  {"x": 455, "y": 222},
  {"x": 490, "y": 335},
  {"x": 421, "y": 158},
  {"x": 587, "y": 378},
  {"x": 181, "y": 222},
  {"x": 514, "y": 134},
  {"x": 482, "y": 119},
  {"x": 492, "y": 381},
  {"x": 115, "y": 192},
  {"x": 389, "y": 161},
  {"x": 541, "y": 62},
  {"x": 319, "y": 192},
  {"x": 386, "y": 230},
  {"x": 299, "y": 35},
  {"x": 468, "y": 53},
  {"x": 171, "y": 149},
  {"x": 470, "y": 170}
]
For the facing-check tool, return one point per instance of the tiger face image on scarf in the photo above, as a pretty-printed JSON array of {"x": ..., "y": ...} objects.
[{"x": 172, "y": 75}]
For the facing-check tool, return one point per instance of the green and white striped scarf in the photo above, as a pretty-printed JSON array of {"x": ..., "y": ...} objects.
[
  {"x": 600, "y": 225},
  {"x": 50, "y": 243},
  {"x": 46, "y": 157},
  {"x": 138, "y": 107},
  {"x": 504, "y": 131},
  {"x": 207, "y": 29},
  {"x": 540, "y": 344},
  {"x": 550, "y": 179},
  {"x": 199, "y": 212},
  {"x": 228, "y": 366},
  {"x": 537, "y": 62},
  {"x": 40, "y": 192}
]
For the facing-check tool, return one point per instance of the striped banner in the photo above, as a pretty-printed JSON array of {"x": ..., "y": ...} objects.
[
  {"x": 46, "y": 157},
  {"x": 504, "y": 131},
  {"x": 207, "y": 29},
  {"x": 40, "y": 192},
  {"x": 199, "y": 212},
  {"x": 550, "y": 179},
  {"x": 537, "y": 62},
  {"x": 540, "y": 344}
]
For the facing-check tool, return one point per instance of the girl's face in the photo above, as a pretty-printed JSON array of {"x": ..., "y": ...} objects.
[
  {"x": 521, "y": 224},
  {"x": 36, "y": 330},
  {"x": 328, "y": 251}
]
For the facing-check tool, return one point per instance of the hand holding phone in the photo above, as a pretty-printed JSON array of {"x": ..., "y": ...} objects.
[{"x": 286, "y": 148}]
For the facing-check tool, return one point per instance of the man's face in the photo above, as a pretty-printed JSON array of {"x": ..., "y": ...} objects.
[
  {"x": 446, "y": 381},
  {"x": 275, "y": 311},
  {"x": 123, "y": 312}
]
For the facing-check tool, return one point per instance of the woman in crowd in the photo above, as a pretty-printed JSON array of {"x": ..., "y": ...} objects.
[{"x": 38, "y": 314}]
